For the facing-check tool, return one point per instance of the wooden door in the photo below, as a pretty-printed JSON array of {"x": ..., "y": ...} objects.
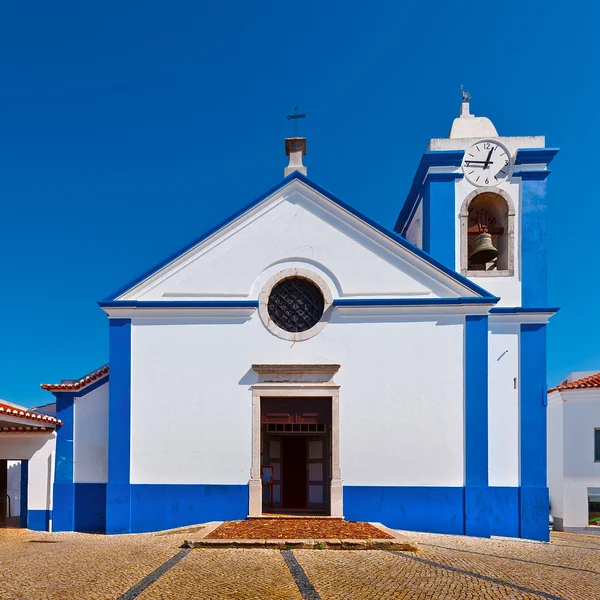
[
  {"x": 316, "y": 473},
  {"x": 294, "y": 471},
  {"x": 3, "y": 491}
]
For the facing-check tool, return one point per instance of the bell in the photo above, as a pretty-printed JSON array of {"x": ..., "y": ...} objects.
[{"x": 483, "y": 250}]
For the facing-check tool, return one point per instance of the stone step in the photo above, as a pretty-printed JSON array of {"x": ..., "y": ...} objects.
[{"x": 309, "y": 544}]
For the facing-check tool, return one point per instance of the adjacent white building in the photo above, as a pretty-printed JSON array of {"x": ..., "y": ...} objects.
[{"x": 574, "y": 452}]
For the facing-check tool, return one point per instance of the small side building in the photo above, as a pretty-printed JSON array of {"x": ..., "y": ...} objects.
[
  {"x": 27, "y": 457},
  {"x": 574, "y": 452}
]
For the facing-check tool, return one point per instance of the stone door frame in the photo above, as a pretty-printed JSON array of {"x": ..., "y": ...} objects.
[{"x": 296, "y": 381}]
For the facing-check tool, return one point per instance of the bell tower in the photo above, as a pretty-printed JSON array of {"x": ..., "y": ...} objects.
[{"x": 477, "y": 204}]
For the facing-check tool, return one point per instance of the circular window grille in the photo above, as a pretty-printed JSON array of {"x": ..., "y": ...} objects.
[{"x": 296, "y": 305}]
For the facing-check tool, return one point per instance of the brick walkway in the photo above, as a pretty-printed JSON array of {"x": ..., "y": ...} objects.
[
  {"x": 296, "y": 529},
  {"x": 152, "y": 566}
]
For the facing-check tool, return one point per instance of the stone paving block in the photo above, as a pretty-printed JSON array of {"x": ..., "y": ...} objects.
[
  {"x": 350, "y": 544},
  {"x": 218, "y": 543},
  {"x": 328, "y": 543},
  {"x": 397, "y": 544}
]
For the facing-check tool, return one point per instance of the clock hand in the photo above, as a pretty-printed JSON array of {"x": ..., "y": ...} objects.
[{"x": 487, "y": 160}]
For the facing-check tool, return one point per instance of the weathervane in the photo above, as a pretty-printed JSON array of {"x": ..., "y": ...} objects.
[
  {"x": 295, "y": 118},
  {"x": 465, "y": 95}
]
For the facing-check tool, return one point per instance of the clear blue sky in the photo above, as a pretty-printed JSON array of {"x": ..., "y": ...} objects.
[{"x": 129, "y": 128}]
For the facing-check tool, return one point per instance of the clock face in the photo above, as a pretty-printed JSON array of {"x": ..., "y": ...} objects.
[{"x": 486, "y": 163}]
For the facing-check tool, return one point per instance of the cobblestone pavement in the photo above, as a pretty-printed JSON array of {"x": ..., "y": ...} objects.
[{"x": 152, "y": 566}]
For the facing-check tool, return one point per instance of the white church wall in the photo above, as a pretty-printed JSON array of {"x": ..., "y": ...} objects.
[
  {"x": 555, "y": 455},
  {"x": 401, "y": 427},
  {"x": 287, "y": 228},
  {"x": 503, "y": 404},
  {"x": 508, "y": 289},
  {"x": 90, "y": 450},
  {"x": 38, "y": 449},
  {"x": 414, "y": 233}
]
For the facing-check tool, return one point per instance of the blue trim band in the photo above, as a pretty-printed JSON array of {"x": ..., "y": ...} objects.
[
  {"x": 343, "y": 302},
  {"x": 90, "y": 507},
  {"x": 443, "y": 158},
  {"x": 63, "y": 492},
  {"x": 535, "y": 156},
  {"x": 439, "y": 219},
  {"x": 534, "y": 267},
  {"x": 296, "y": 175},
  {"x": 155, "y": 507},
  {"x": 118, "y": 514},
  {"x": 451, "y": 510},
  {"x": 24, "y": 489},
  {"x": 182, "y": 304},
  {"x": 505, "y": 310},
  {"x": 477, "y": 519},
  {"x": 39, "y": 520},
  {"x": 534, "y": 502},
  {"x": 532, "y": 175}
]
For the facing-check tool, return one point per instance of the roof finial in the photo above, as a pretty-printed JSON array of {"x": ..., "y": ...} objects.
[
  {"x": 464, "y": 107},
  {"x": 295, "y": 117},
  {"x": 295, "y": 147},
  {"x": 465, "y": 95}
]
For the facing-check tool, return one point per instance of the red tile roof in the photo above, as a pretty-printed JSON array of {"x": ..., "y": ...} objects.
[
  {"x": 76, "y": 384},
  {"x": 14, "y": 410},
  {"x": 586, "y": 382},
  {"x": 26, "y": 430}
]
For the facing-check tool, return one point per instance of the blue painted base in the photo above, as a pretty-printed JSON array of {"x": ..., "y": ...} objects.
[
  {"x": 432, "y": 509},
  {"x": 478, "y": 511},
  {"x": 534, "y": 509},
  {"x": 118, "y": 513},
  {"x": 90, "y": 507},
  {"x": 39, "y": 520},
  {"x": 156, "y": 507},
  {"x": 504, "y": 511},
  {"x": 63, "y": 502}
]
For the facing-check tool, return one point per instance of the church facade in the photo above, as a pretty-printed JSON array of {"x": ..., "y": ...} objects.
[{"x": 299, "y": 358}]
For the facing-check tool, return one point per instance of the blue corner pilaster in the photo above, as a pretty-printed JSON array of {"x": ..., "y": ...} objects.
[
  {"x": 534, "y": 238},
  {"x": 24, "y": 490},
  {"x": 118, "y": 503},
  {"x": 534, "y": 498},
  {"x": 439, "y": 217},
  {"x": 476, "y": 501},
  {"x": 63, "y": 498}
]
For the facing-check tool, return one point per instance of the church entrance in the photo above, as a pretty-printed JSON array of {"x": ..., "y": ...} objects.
[{"x": 296, "y": 455}]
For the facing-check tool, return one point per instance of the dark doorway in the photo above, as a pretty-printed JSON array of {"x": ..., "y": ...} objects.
[
  {"x": 3, "y": 491},
  {"x": 293, "y": 463}
]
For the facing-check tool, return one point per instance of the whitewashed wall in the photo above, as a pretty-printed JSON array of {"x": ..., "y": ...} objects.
[
  {"x": 401, "y": 398},
  {"x": 38, "y": 448},
  {"x": 414, "y": 233},
  {"x": 555, "y": 447},
  {"x": 580, "y": 415},
  {"x": 401, "y": 377},
  {"x": 503, "y": 403},
  {"x": 90, "y": 451},
  {"x": 13, "y": 487}
]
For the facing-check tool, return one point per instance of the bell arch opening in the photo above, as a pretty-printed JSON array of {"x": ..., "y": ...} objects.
[{"x": 487, "y": 234}]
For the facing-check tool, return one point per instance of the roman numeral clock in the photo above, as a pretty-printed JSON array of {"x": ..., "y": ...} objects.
[{"x": 486, "y": 163}]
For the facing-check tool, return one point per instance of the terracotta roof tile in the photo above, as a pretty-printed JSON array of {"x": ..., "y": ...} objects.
[
  {"x": 21, "y": 412},
  {"x": 76, "y": 384},
  {"x": 593, "y": 381}
]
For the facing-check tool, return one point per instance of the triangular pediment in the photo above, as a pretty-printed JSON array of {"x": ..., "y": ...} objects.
[{"x": 298, "y": 223}]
